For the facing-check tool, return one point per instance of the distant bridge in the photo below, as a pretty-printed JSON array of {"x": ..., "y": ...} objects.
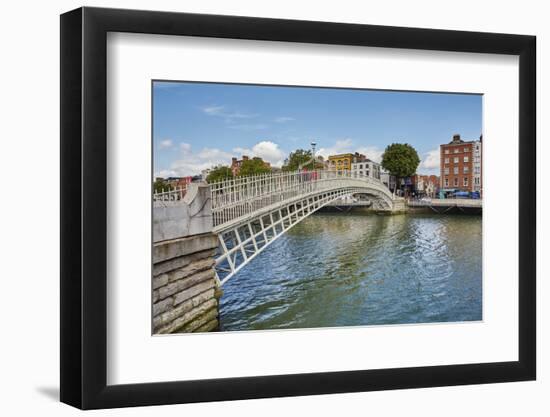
[{"x": 250, "y": 213}]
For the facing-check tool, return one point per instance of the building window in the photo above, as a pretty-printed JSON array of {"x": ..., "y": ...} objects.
[
  {"x": 446, "y": 182},
  {"x": 455, "y": 159},
  {"x": 466, "y": 170},
  {"x": 456, "y": 182},
  {"x": 446, "y": 171},
  {"x": 466, "y": 159},
  {"x": 476, "y": 180},
  {"x": 466, "y": 149},
  {"x": 457, "y": 150},
  {"x": 360, "y": 166},
  {"x": 446, "y": 151},
  {"x": 465, "y": 181},
  {"x": 455, "y": 170},
  {"x": 446, "y": 160}
]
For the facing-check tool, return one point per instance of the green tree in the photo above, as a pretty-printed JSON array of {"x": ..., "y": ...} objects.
[
  {"x": 253, "y": 166},
  {"x": 159, "y": 185},
  {"x": 218, "y": 173},
  {"x": 300, "y": 157},
  {"x": 295, "y": 159},
  {"x": 400, "y": 159}
]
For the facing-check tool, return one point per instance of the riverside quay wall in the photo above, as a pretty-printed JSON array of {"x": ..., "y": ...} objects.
[{"x": 185, "y": 293}]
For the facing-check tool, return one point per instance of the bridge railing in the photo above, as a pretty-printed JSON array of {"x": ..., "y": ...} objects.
[
  {"x": 237, "y": 197},
  {"x": 170, "y": 194}
]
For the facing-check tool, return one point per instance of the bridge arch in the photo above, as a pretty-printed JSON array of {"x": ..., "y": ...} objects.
[{"x": 250, "y": 213}]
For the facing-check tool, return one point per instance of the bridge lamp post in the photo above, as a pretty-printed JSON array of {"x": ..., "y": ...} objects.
[{"x": 301, "y": 166}]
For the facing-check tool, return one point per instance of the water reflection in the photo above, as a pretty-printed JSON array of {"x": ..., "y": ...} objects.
[{"x": 355, "y": 269}]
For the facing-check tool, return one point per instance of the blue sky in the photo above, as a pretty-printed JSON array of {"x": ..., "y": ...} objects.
[{"x": 197, "y": 125}]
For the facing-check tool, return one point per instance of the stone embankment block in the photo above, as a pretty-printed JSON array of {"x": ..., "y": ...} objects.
[{"x": 185, "y": 295}]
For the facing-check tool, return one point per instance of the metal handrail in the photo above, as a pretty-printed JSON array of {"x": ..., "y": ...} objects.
[
  {"x": 170, "y": 194},
  {"x": 240, "y": 196}
]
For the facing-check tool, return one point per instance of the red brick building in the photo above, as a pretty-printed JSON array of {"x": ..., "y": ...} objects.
[
  {"x": 426, "y": 185},
  {"x": 457, "y": 165},
  {"x": 236, "y": 164},
  {"x": 178, "y": 182}
]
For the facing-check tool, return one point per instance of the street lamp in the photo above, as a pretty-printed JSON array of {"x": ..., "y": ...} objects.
[
  {"x": 312, "y": 160},
  {"x": 313, "y": 144}
]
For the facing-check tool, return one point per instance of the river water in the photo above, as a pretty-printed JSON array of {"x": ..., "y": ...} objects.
[{"x": 361, "y": 269}]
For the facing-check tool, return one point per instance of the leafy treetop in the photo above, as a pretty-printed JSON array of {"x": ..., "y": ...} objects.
[
  {"x": 300, "y": 157},
  {"x": 400, "y": 159},
  {"x": 219, "y": 173},
  {"x": 253, "y": 166},
  {"x": 159, "y": 185}
]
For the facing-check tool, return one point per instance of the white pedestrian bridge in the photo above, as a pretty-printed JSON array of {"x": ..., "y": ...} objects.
[{"x": 250, "y": 213}]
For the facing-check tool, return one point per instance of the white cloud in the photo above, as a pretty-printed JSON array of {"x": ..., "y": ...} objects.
[
  {"x": 164, "y": 144},
  {"x": 228, "y": 115},
  {"x": 348, "y": 145},
  {"x": 214, "y": 154},
  {"x": 431, "y": 160},
  {"x": 340, "y": 146},
  {"x": 252, "y": 126},
  {"x": 185, "y": 147},
  {"x": 372, "y": 152},
  {"x": 166, "y": 173},
  {"x": 191, "y": 163},
  {"x": 213, "y": 110},
  {"x": 267, "y": 150},
  {"x": 284, "y": 119}
]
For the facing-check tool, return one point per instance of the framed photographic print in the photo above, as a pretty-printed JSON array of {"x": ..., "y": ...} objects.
[{"x": 258, "y": 207}]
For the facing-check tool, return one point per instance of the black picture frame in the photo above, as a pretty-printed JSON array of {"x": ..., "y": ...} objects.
[{"x": 84, "y": 207}]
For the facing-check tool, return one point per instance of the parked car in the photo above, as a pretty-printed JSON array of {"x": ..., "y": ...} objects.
[
  {"x": 467, "y": 194},
  {"x": 461, "y": 194}
]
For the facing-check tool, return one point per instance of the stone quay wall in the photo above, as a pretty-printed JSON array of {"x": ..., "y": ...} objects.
[{"x": 185, "y": 292}]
